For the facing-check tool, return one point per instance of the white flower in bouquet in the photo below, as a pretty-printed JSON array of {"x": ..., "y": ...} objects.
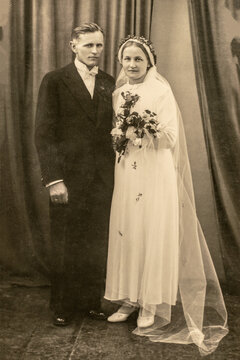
[
  {"x": 146, "y": 117},
  {"x": 150, "y": 126},
  {"x": 137, "y": 142},
  {"x": 118, "y": 124},
  {"x": 116, "y": 132},
  {"x": 130, "y": 133}
]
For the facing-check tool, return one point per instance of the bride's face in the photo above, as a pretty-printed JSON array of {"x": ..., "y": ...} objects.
[{"x": 135, "y": 64}]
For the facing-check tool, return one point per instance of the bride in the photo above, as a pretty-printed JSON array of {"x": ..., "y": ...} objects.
[{"x": 158, "y": 260}]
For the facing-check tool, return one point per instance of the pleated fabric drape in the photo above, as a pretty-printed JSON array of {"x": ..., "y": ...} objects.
[
  {"x": 213, "y": 26},
  {"x": 39, "y": 37},
  {"x": 14, "y": 225}
]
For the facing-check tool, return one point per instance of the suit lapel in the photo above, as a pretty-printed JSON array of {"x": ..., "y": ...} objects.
[
  {"x": 78, "y": 89},
  {"x": 100, "y": 91}
]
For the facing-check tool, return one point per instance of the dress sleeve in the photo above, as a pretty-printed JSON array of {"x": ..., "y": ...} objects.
[{"x": 167, "y": 118}]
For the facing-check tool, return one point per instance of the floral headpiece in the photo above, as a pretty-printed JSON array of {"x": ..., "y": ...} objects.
[{"x": 147, "y": 44}]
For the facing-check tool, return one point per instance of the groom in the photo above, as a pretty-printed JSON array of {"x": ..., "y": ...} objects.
[{"x": 73, "y": 124}]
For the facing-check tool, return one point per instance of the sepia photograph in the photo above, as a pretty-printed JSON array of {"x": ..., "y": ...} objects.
[{"x": 119, "y": 179}]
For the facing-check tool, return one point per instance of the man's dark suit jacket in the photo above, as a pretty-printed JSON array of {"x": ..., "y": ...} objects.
[{"x": 72, "y": 130}]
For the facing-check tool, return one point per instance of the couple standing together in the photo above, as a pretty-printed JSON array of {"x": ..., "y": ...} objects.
[{"x": 158, "y": 261}]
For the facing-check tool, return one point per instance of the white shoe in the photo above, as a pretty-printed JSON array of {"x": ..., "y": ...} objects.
[
  {"x": 145, "y": 321},
  {"x": 120, "y": 316},
  {"x": 117, "y": 317}
]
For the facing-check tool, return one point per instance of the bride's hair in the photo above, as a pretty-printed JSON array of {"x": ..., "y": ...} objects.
[{"x": 145, "y": 45}]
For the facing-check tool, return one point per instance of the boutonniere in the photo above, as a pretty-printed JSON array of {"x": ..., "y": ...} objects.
[{"x": 105, "y": 91}]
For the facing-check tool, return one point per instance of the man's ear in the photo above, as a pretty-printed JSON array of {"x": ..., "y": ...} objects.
[{"x": 73, "y": 46}]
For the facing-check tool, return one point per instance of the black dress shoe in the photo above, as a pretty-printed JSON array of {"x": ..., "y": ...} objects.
[
  {"x": 62, "y": 320},
  {"x": 97, "y": 315}
]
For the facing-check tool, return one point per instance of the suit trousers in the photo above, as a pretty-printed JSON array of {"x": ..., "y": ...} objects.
[{"x": 79, "y": 233}]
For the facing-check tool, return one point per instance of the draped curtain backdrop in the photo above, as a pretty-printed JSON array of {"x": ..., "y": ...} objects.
[
  {"x": 40, "y": 34},
  {"x": 214, "y": 24}
]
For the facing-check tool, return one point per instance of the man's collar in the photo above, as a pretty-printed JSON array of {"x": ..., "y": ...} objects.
[{"x": 84, "y": 69}]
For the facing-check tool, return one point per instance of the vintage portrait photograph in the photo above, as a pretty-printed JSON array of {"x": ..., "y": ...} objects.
[{"x": 119, "y": 179}]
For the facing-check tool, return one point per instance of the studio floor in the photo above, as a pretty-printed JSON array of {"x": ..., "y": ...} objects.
[{"x": 27, "y": 333}]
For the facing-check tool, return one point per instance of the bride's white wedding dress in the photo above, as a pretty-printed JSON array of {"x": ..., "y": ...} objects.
[
  {"x": 143, "y": 238},
  {"x": 157, "y": 255}
]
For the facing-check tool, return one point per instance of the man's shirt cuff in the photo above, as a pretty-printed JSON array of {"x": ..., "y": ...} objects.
[{"x": 53, "y": 182}]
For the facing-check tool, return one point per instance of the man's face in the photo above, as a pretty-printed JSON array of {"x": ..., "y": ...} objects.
[{"x": 88, "y": 48}]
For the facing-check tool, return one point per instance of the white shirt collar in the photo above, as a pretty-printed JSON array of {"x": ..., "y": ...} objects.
[{"x": 84, "y": 69}]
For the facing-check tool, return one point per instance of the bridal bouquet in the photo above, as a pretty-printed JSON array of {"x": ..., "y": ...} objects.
[{"x": 131, "y": 126}]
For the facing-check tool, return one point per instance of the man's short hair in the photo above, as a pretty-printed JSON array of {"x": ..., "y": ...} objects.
[{"x": 85, "y": 28}]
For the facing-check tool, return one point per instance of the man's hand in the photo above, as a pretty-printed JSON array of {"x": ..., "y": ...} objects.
[{"x": 58, "y": 193}]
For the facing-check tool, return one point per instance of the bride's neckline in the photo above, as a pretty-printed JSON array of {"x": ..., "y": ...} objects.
[{"x": 133, "y": 86}]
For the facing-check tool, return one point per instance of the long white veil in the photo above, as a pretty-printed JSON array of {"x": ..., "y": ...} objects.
[{"x": 200, "y": 315}]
